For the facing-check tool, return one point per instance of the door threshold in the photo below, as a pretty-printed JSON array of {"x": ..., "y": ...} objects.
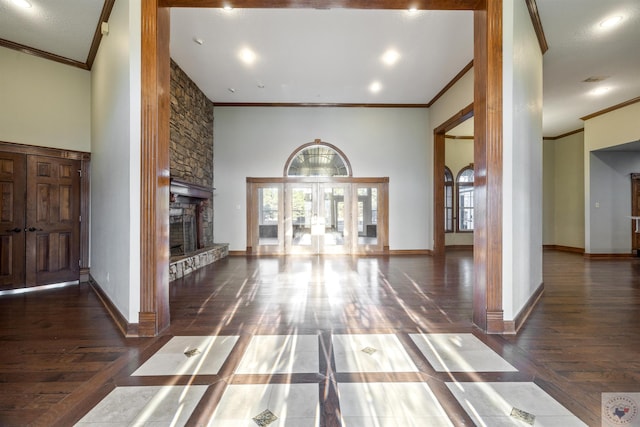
[{"x": 38, "y": 288}]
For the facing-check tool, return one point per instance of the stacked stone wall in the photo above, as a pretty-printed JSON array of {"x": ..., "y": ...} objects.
[{"x": 191, "y": 139}]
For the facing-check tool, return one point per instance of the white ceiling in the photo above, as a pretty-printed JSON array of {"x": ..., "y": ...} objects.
[{"x": 332, "y": 56}]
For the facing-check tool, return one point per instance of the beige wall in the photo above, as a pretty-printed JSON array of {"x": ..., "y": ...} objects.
[
  {"x": 43, "y": 102},
  {"x": 548, "y": 192},
  {"x": 569, "y": 191}
]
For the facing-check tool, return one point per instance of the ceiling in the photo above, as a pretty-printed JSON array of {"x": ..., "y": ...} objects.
[{"x": 308, "y": 56}]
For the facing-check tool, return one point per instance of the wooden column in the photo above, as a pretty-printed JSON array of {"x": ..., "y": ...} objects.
[
  {"x": 487, "y": 240},
  {"x": 154, "y": 197}
]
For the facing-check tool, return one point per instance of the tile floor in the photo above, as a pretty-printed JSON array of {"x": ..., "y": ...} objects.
[{"x": 279, "y": 380}]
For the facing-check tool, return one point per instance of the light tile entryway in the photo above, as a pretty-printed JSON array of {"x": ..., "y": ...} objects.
[{"x": 369, "y": 380}]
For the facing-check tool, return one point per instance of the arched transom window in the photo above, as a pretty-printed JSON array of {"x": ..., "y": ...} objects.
[{"x": 317, "y": 159}]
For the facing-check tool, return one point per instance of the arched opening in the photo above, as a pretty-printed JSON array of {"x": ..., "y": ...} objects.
[
  {"x": 317, "y": 207},
  {"x": 317, "y": 159}
]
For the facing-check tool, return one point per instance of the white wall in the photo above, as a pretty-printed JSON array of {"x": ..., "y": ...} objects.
[
  {"x": 615, "y": 128},
  {"x": 115, "y": 180},
  {"x": 43, "y": 102},
  {"x": 522, "y": 159},
  {"x": 458, "y": 153},
  {"x": 256, "y": 142}
]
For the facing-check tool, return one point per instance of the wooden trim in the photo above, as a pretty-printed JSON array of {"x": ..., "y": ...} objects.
[
  {"x": 97, "y": 35},
  {"x": 315, "y": 105},
  {"x": 42, "y": 54},
  {"x": 59, "y": 153},
  {"x": 438, "y": 174},
  {"x": 154, "y": 197},
  {"x": 513, "y": 326},
  {"x": 128, "y": 329},
  {"x": 537, "y": 25},
  {"x": 406, "y": 252},
  {"x": 331, "y": 4},
  {"x": 564, "y": 248},
  {"x": 315, "y": 143},
  {"x": 487, "y": 236},
  {"x": 459, "y": 137},
  {"x": 453, "y": 121},
  {"x": 85, "y": 223},
  {"x": 451, "y": 83},
  {"x": 564, "y": 135},
  {"x": 610, "y": 109},
  {"x": 608, "y": 256}
]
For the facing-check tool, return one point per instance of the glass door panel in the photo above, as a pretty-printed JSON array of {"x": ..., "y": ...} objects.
[
  {"x": 268, "y": 216},
  {"x": 265, "y": 218},
  {"x": 302, "y": 218},
  {"x": 369, "y": 226},
  {"x": 335, "y": 218},
  {"x": 319, "y": 218}
]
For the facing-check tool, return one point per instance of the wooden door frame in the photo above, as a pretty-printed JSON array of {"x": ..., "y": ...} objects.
[
  {"x": 154, "y": 224},
  {"x": 439, "y": 143},
  {"x": 85, "y": 186}
]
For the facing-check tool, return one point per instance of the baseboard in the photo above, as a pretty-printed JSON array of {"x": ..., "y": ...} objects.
[
  {"x": 410, "y": 252},
  {"x": 458, "y": 247},
  {"x": 129, "y": 330},
  {"x": 609, "y": 256},
  {"x": 238, "y": 253},
  {"x": 564, "y": 248},
  {"x": 513, "y": 326}
]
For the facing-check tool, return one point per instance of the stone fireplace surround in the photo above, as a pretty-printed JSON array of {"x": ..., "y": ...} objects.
[{"x": 187, "y": 240}]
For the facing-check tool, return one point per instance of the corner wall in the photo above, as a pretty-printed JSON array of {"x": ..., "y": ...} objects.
[
  {"x": 522, "y": 160},
  {"x": 115, "y": 146}
]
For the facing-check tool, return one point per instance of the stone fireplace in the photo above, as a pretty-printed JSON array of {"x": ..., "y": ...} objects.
[{"x": 188, "y": 218}]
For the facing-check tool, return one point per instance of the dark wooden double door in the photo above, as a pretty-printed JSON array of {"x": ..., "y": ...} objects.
[{"x": 39, "y": 220}]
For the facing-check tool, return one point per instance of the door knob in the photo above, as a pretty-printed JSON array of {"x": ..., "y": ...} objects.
[
  {"x": 32, "y": 229},
  {"x": 14, "y": 230}
]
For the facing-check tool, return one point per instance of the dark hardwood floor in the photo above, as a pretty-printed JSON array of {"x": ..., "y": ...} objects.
[{"x": 61, "y": 353}]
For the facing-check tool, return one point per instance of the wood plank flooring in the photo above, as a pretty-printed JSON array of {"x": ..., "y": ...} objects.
[{"x": 61, "y": 353}]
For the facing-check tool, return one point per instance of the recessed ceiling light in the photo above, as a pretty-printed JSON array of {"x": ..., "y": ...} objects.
[
  {"x": 390, "y": 57},
  {"x": 611, "y": 22},
  {"x": 247, "y": 56},
  {"x": 375, "y": 87},
  {"x": 227, "y": 8},
  {"x": 600, "y": 91},
  {"x": 22, "y": 3},
  {"x": 413, "y": 10}
]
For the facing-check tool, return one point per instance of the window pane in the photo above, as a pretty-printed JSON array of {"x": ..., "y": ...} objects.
[
  {"x": 317, "y": 160},
  {"x": 465, "y": 207},
  {"x": 367, "y": 216},
  {"x": 268, "y": 215}
]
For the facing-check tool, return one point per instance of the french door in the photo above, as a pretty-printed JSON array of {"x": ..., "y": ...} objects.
[
  {"x": 318, "y": 218},
  {"x": 346, "y": 216},
  {"x": 39, "y": 220}
]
